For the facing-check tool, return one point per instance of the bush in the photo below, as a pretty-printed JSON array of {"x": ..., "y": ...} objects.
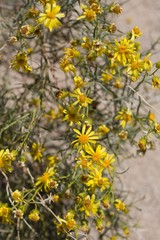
[{"x": 70, "y": 111}]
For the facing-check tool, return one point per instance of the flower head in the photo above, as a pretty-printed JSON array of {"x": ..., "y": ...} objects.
[
  {"x": 46, "y": 181},
  {"x": 50, "y": 17},
  {"x": 125, "y": 116},
  {"x": 84, "y": 138},
  {"x": 82, "y": 99},
  {"x": 20, "y": 61}
]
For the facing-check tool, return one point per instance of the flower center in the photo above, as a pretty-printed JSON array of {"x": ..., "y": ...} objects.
[
  {"x": 45, "y": 177},
  {"x": 82, "y": 98},
  {"x": 50, "y": 15},
  {"x": 96, "y": 157},
  {"x": 122, "y": 48},
  {"x": 83, "y": 139}
]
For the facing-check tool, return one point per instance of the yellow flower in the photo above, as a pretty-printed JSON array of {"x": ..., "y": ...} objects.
[
  {"x": 66, "y": 65},
  {"x": 70, "y": 221},
  {"x": 6, "y": 159},
  {"x": 124, "y": 50},
  {"x": 78, "y": 82},
  {"x": 17, "y": 196},
  {"x": 136, "y": 32},
  {"x": 82, "y": 99},
  {"x": 89, "y": 205},
  {"x": 88, "y": 13},
  {"x": 71, "y": 52},
  {"x": 119, "y": 205},
  {"x": 103, "y": 129},
  {"x": 37, "y": 151},
  {"x": 156, "y": 82},
  {"x": 73, "y": 115},
  {"x": 46, "y": 181},
  {"x": 106, "y": 77},
  {"x": 5, "y": 213},
  {"x": 34, "y": 215},
  {"x": 20, "y": 61},
  {"x": 95, "y": 180},
  {"x": 82, "y": 161},
  {"x": 125, "y": 116},
  {"x": 52, "y": 160},
  {"x": 135, "y": 68},
  {"x": 147, "y": 64},
  {"x": 50, "y": 17},
  {"x": 157, "y": 127},
  {"x": 96, "y": 155},
  {"x": 107, "y": 162},
  {"x": 84, "y": 138}
]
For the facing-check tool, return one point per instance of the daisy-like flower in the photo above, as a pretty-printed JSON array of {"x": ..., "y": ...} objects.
[
  {"x": 84, "y": 138},
  {"x": 46, "y": 181},
  {"x": 124, "y": 50},
  {"x": 88, "y": 13},
  {"x": 124, "y": 116},
  {"x": 96, "y": 180},
  {"x": 97, "y": 154},
  {"x": 50, "y": 17},
  {"x": 73, "y": 115},
  {"x": 37, "y": 151},
  {"x": 79, "y": 82},
  {"x": 156, "y": 82},
  {"x": 90, "y": 206},
  {"x": 119, "y": 205},
  {"x": 20, "y": 61},
  {"x": 82, "y": 99},
  {"x": 135, "y": 68}
]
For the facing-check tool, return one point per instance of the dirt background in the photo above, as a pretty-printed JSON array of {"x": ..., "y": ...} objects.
[{"x": 143, "y": 175}]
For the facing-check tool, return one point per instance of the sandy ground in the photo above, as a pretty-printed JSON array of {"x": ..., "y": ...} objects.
[{"x": 143, "y": 176}]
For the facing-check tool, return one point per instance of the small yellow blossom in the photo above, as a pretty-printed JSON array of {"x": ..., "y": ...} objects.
[
  {"x": 73, "y": 115},
  {"x": 157, "y": 127},
  {"x": 20, "y": 61},
  {"x": 106, "y": 76},
  {"x": 119, "y": 205},
  {"x": 124, "y": 116},
  {"x": 52, "y": 160},
  {"x": 37, "y": 151},
  {"x": 71, "y": 52},
  {"x": 151, "y": 116},
  {"x": 17, "y": 196},
  {"x": 147, "y": 64},
  {"x": 34, "y": 215},
  {"x": 50, "y": 17},
  {"x": 135, "y": 67},
  {"x": 84, "y": 138},
  {"x": 6, "y": 159},
  {"x": 47, "y": 181},
  {"x": 79, "y": 82},
  {"x": 88, "y": 13},
  {"x": 108, "y": 161},
  {"x": 70, "y": 221},
  {"x": 66, "y": 65},
  {"x": 103, "y": 130},
  {"x": 115, "y": 8},
  {"x": 96, "y": 155},
  {"x": 96, "y": 180},
  {"x": 142, "y": 144},
  {"x": 89, "y": 205},
  {"x": 82, "y": 161},
  {"x": 123, "y": 51},
  {"x": 156, "y": 82},
  {"x": 5, "y": 213},
  {"x": 82, "y": 99}
]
